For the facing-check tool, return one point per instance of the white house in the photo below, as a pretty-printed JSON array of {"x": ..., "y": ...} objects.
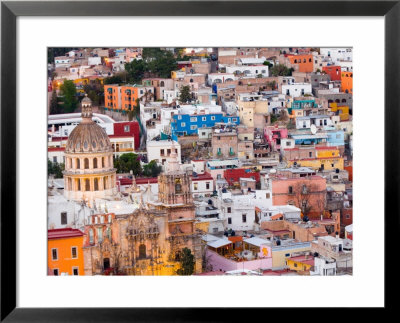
[
  {"x": 161, "y": 150},
  {"x": 317, "y": 120},
  {"x": 94, "y": 61},
  {"x": 202, "y": 185},
  {"x": 337, "y": 54},
  {"x": 248, "y": 70},
  {"x": 214, "y": 78},
  {"x": 296, "y": 89}
]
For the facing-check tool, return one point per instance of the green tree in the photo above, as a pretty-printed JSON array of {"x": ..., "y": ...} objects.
[
  {"x": 136, "y": 70},
  {"x": 269, "y": 64},
  {"x": 55, "y": 169},
  {"x": 151, "y": 169},
  {"x": 187, "y": 262},
  {"x": 68, "y": 91},
  {"x": 54, "y": 106},
  {"x": 128, "y": 162},
  {"x": 116, "y": 79},
  {"x": 185, "y": 95},
  {"x": 281, "y": 70}
]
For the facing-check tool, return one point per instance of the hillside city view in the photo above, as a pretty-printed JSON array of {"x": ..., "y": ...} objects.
[{"x": 200, "y": 161}]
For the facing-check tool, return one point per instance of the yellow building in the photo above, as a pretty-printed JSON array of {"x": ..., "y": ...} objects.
[
  {"x": 326, "y": 158},
  {"x": 342, "y": 111},
  {"x": 300, "y": 263},
  {"x": 280, "y": 254},
  {"x": 248, "y": 108}
]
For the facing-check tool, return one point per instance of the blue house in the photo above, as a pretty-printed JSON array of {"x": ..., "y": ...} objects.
[
  {"x": 330, "y": 137},
  {"x": 186, "y": 124}
]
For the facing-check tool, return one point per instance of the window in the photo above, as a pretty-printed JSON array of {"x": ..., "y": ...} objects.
[
  {"x": 161, "y": 152},
  {"x": 287, "y": 255},
  {"x": 310, "y": 154},
  {"x": 75, "y": 271},
  {"x": 203, "y": 118},
  {"x": 290, "y": 189},
  {"x": 100, "y": 234},
  {"x": 64, "y": 218},
  {"x": 91, "y": 238},
  {"x": 55, "y": 272},
  {"x": 244, "y": 217},
  {"x": 193, "y": 119},
  {"x": 229, "y": 220},
  {"x": 213, "y": 118},
  {"x": 127, "y": 128},
  {"x": 54, "y": 159},
  {"x": 234, "y": 119},
  {"x": 295, "y": 265},
  {"x": 229, "y": 209},
  {"x": 179, "y": 117},
  {"x": 193, "y": 127},
  {"x": 207, "y": 186},
  {"x": 183, "y": 124},
  {"x": 74, "y": 252},
  {"x": 268, "y": 195},
  {"x": 54, "y": 254},
  {"x": 195, "y": 186}
]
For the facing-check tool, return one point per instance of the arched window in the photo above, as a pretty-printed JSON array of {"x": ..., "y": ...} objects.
[
  {"x": 78, "y": 163},
  {"x": 96, "y": 184},
  {"x": 295, "y": 60},
  {"x": 108, "y": 233},
  {"x": 191, "y": 80},
  {"x": 109, "y": 218},
  {"x": 102, "y": 162},
  {"x": 105, "y": 182},
  {"x": 78, "y": 184},
  {"x": 94, "y": 162},
  {"x": 142, "y": 251},
  {"x": 337, "y": 101},
  {"x": 69, "y": 183},
  {"x": 162, "y": 83},
  {"x": 86, "y": 161},
  {"x": 343, "y": 100},
  {"x": 87, "y": 184}
]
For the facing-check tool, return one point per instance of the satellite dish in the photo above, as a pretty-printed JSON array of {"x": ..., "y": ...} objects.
[{"x": 313, "y": 129}]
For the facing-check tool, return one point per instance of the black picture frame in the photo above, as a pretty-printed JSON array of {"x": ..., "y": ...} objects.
[{"x": 10, "y": 10}]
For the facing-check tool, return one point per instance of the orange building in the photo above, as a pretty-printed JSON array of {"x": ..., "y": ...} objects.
[
  {"x": 347, "y": 82},
  {"x": 304, "y": 62},
  {"x": 64, "y": 250},
  {"x": 124, "y": 97}
]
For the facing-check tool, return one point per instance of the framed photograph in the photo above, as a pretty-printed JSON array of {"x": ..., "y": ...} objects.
[{"x": 167, "y": 151}]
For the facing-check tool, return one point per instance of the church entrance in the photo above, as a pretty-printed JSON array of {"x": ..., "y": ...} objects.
[
  {"x": 106, "y": 263},
  {"x": 142, "y": 251}
]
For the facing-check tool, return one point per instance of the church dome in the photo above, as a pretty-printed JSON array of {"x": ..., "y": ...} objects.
[{"x": 88, "y": 136}]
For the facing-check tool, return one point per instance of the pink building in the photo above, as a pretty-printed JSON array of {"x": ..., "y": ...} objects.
[
  {"x": 256, "y": 254},
  {"x": 273, "y": 135},
  {"x": 307, "y": 193}
]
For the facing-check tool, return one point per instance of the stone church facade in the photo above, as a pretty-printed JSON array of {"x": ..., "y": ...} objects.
[{"x": 150, "y": 240}]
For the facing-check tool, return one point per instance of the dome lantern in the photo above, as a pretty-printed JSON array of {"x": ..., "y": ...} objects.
[{"x": 86, "y": 109}]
